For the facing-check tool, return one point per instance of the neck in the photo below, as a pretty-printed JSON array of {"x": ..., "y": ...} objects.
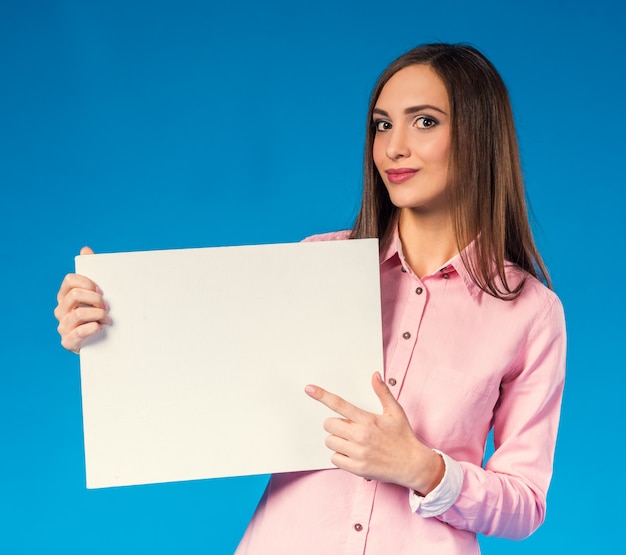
[{"x": 428, "y": 241}]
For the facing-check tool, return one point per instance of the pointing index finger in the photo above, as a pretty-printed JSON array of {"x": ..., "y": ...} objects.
[{"x": 333, "y": 402}]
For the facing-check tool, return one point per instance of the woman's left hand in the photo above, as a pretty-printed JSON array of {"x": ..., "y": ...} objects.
[{"x": 379, "y": 447}]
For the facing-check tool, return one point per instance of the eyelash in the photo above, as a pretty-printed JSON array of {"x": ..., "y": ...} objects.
[
  {"x": 377, "y": 123},
  {"x": 432, "y": 122}
]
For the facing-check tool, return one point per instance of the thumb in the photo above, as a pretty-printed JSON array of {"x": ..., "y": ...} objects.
[
  {"x": 386, "y": 398},
  {"x": 86, "y": 250}
]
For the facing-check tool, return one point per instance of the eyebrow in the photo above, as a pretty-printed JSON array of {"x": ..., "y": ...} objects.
[{"x": 412, "y": 110}]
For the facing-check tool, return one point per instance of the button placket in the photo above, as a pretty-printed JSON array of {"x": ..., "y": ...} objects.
[
  {"x": 414, "y": 300},
  {"x": 359, "y": 519}
]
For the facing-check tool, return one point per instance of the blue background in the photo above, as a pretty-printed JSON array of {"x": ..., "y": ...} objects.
[{"x": 152, "y": 125}]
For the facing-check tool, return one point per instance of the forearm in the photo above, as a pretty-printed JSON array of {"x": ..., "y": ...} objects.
[{"x": 496, "y": 504}]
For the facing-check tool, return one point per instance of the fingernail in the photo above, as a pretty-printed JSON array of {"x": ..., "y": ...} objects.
[
  {"x": 98, "y": 290},
  {"x": 106, "y": 306},
  {"x": 310, "y": 390},
  {"x": 379, "y": 377}
]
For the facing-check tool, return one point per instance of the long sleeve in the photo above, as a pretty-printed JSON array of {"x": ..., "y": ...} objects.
[{"x": 508, "y": 497}]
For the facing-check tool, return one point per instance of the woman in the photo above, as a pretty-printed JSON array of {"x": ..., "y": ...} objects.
[{"x": 472, "y": 339}]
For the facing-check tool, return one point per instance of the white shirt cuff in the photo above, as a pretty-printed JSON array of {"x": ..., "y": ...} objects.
[{"x": 444, "y": 495}]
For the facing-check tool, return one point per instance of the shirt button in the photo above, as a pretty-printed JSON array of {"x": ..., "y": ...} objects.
[
  {"x": 445, "y": 276},
  {"x": 392, "y": 381},
  {"x": 406, "y": 335},
  {"x": 404, "y": 269},
  {"x": 419, "y": 290},
  {"x": 358, "y": 527}
]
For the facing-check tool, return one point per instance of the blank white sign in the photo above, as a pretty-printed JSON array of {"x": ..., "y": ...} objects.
[{"x": 202, "y": 372}]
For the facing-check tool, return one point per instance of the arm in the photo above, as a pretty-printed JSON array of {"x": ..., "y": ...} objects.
[
  {"x": 508, "y": 497},
  {"x": 81, "y": 310}
]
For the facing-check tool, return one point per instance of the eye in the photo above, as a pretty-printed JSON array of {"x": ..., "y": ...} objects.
[
  {"x": 381, "y": 125},
  {"x": 425, "y": 122}
]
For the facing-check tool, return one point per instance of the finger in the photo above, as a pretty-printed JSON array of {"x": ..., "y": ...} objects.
[
  {"x": 342, "y": 456},
  {"x": 80, "y": 316},
  {"x": 386, "y": 398},
  {"x": 338, "y": 444},
  {"x": 339, "y": 427},
  {"x": 76, "y": 298},
  {"x": 334, "y": 402},
  {"x": 76, "y": 281},
  {"x": 349, "y": 464},
  {"x": 74, "y": 340}
]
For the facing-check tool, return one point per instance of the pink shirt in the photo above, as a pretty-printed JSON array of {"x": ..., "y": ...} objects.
[{"x": 459, "y": 362}]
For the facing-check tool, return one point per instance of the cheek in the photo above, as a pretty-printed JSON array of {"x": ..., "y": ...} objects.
[
  {"x": 438, "y": 152},
  {"x": 443, "y": 150}
]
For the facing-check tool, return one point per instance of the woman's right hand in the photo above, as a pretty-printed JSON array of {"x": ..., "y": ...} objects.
[{"x": 81, "y": 309}]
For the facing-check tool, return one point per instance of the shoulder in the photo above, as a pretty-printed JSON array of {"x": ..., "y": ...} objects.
[
  {"x": 533, "y": 289},
  {"x": 536, "y": 299},
  {"x": 332, "y": 236}
]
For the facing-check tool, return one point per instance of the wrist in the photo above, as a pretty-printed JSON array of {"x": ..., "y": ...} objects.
[{"x": 431, "y": 473}]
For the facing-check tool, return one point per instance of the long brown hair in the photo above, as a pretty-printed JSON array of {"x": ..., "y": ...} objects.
[{"x": 486, "y": 189}]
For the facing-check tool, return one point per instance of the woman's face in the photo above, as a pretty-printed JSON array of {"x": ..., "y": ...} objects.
[{"x": 411, "y": 120}]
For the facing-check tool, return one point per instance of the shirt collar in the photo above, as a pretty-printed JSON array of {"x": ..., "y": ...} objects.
[{"x": 394, "y": 249}]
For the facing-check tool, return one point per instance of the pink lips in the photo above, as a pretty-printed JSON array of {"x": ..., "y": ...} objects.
[{"x": 400, "y": 175}]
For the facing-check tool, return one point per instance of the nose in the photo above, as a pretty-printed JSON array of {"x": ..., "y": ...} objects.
[{"x": 397, "y": 146}]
